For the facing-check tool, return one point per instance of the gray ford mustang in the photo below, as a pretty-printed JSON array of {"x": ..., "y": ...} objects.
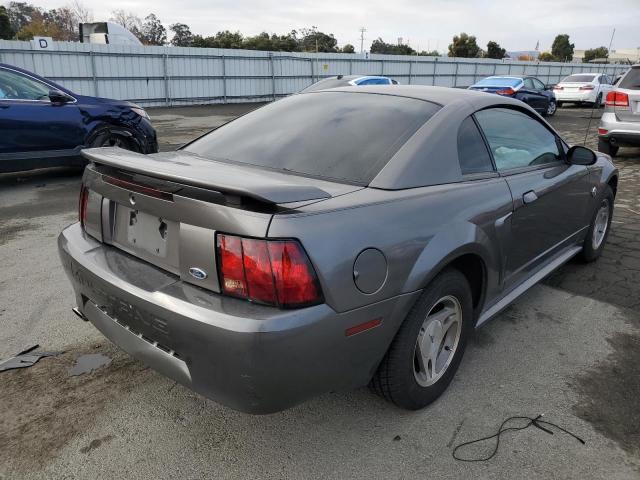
[{"x": 331, "y": 240}]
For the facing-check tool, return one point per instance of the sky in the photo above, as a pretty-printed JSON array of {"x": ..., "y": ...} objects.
[{"x": 426, "y": 24}]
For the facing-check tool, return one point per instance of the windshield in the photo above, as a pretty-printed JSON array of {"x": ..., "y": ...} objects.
[
  {"x": 334, "y": 135},
  {"x": 631, "y": 80},
  {"x": 578, "y": 79},
  {"x": 498, "y": 82}
]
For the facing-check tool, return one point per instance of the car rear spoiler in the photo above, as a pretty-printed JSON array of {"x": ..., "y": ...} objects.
[{"x": 186, "y": 168}]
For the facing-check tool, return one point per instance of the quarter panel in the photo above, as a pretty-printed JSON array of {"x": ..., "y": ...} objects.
[{"x": 417, "y": 230}]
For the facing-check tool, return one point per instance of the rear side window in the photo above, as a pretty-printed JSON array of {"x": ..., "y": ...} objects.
[
  {"x": 516, "y": 139},
  {"x": 472, "y": 151},
  {"x": 631, "y": 81},
  {"x": 339, "y": 136},
  {"x": 374, "y": 81}
]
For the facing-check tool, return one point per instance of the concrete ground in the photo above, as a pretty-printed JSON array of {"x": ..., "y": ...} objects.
[{"x": 569, "y": 348}]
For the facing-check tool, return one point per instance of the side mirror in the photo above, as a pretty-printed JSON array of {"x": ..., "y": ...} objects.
[
  {"x": 56, "y": 96},
  {"x": 578, "y": 155},
  {"x": 549, "y": 86}
]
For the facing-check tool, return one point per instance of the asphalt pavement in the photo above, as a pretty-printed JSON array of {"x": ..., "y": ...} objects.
[{"x": 569, "y": 348}]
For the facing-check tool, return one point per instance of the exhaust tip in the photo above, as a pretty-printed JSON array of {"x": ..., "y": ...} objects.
[{"x": 79, "y": 314}]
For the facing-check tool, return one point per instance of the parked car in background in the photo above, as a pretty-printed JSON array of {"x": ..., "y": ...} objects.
[
  {"x": 529, "y": 90},
  {"x": 583, "y": 88},
  {"x": 331, "y": 240},
  {"x": 348, "y": 81},
  {"x": 42, "y": 124},
  {"x": 620, "y": 121}
]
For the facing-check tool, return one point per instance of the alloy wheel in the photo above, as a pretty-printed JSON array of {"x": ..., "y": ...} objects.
[
  {"x": 437, "y": 341},
  {"x": 600, "y": 224}
]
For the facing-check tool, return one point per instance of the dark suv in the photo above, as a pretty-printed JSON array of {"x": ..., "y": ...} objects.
[{"x": 42, "y": 124}]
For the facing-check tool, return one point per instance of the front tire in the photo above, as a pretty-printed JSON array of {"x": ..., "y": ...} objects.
[
  {"x": 606, "y": 147},
  {"x": 551, "y": 109},
  {"x": 600, "y": 226},
  {"x": 106, "y": 138},
  {"x": 426, "y": 352}
]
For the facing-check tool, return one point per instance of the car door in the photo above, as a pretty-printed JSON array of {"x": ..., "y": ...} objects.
[
  {"x": 550, "y": 197},
  {"x": 532, "y": 96},
  {"x": 30, "y": 124}
]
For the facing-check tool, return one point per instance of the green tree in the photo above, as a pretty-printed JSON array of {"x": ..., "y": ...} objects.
[
  {"x": 312, "y": 38},
  {"x": 225, "y": 39},
  {"x": 429, "y": 53},
  {"x": 380, "y": 46},
  {"x": 6, "y": 32},
  {"x": 64, "y": 22},
  {"x": 153, "y": 32},
  {"x": 464, "y": 46},
  {"x": 546, "y": 57},
  {"x": 562, "y": 49},
  {"x": 494, "y": 50},
  {"x": 593, "y": 53},
  {"x": 348, "y": 48},
  {"x": 21, "y": 14},
  {"x": 182, "y": 36}
]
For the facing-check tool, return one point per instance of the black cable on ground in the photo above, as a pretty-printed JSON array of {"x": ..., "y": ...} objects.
[{"x": 536, "y": 422}]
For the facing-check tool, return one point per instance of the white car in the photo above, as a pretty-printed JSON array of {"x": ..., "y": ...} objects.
[{"x": 583, "y": 88}]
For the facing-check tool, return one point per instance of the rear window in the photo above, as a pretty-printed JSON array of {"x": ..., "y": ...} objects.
[
  {"x": 340, "y": 136},
  {"x": 631, "y": 80},
  {"x": 578, "y": 79},
  {"x": 498, "y": 82}
]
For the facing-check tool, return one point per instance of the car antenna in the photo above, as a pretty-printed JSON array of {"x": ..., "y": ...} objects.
[{"x": 604, "y": 71}]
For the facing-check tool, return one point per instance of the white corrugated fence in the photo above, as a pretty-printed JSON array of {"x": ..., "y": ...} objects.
[{"x": 162, "y": 76}]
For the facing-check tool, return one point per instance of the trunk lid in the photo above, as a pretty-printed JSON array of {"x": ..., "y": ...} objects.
[{"x": 166, "y": 208}]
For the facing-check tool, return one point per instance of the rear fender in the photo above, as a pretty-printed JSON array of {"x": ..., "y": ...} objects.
[{"x": 451, "y": 243}]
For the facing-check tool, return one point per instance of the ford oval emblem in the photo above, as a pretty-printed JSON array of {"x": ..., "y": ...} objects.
[{"x": 197, "y": 273}]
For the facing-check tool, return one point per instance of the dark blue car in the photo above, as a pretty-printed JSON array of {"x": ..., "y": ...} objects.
[
  {"x": 42, "y": 124},
  {"x": 530, "y": 90}
]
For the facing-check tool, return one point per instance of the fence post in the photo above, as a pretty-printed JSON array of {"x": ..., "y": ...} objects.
[
  {"x": 273, "y": 77},
  {"x": 435, "y": 69},
  {"x": 351, "y": 66},
  {"x": 224, "y": 78},
  {"x": 410, "y": 70},
  {"x": 165, "y": 59},
  {"x": 382, "y": 67},
  {"x": 93, "y": 73},
  {"x": 455, "y": 76}
]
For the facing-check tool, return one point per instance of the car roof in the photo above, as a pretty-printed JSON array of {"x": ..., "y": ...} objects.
[
  {"x": 406, "y": 169},
  {"x": 438, "y": 95}
]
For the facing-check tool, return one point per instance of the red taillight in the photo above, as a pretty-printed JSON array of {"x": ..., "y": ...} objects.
[
  {"x": 82, "y": 205},
  {"x": 507, "y": 91},
  {"x": 274, "y": 272},
  {"x": 617, "y": 99},
  {"x": 558, "y": 87},
  {"x": 586, "y": 87},
  {"x": 602, "y": 131}
]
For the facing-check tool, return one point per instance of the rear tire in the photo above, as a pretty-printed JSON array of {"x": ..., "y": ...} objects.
[
  {"x": 439, "y": 324},
  {"x": 600, "y": 226},
  {"x": 559, "y": 104},
  {"x": 606, "y": 147},
  {"x": 598, "y": 102}
]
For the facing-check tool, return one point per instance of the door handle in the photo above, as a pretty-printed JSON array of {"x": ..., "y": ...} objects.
[{"x": 529, "y": 197}]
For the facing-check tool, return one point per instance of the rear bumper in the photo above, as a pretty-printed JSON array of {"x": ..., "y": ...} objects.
[
  {"x": 249, "y": 357},
  {"x": 623, "y": 133},
  {"x": 585, "y": 96}
]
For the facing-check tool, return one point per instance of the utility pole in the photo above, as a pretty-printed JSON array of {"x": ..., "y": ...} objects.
[{"x": 362, "y": 30}]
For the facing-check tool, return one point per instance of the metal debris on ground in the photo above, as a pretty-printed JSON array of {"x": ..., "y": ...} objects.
[
  {"x": 88, "y": 363},
  {"x": 26, "y": 358}
]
